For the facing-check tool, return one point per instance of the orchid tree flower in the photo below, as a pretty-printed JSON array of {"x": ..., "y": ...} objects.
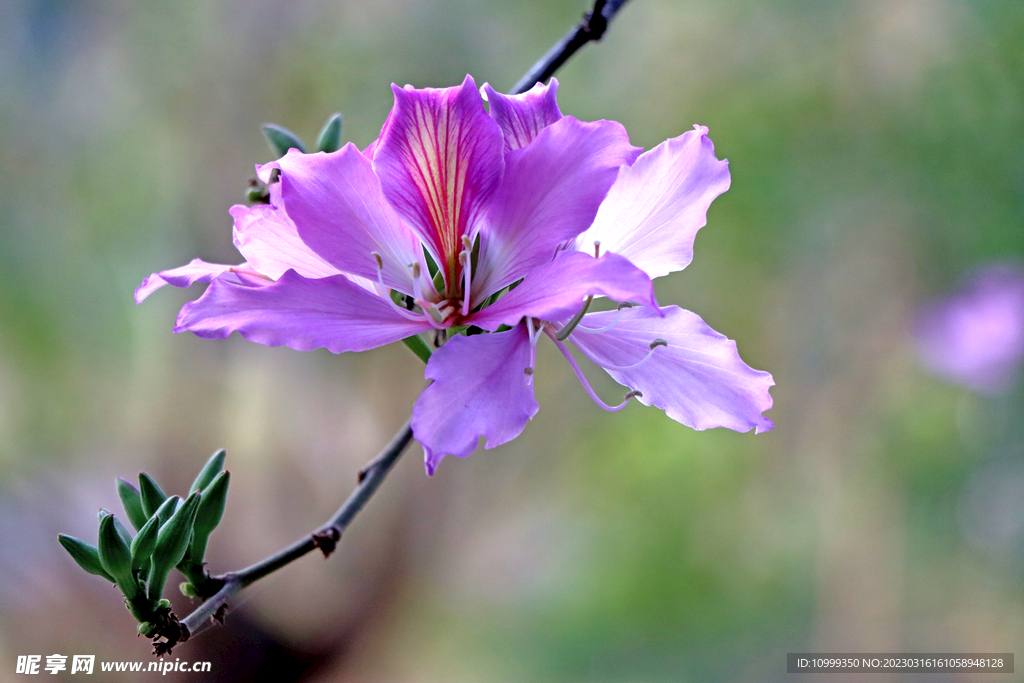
[
  {"x": 499, "y": 226},
  {"x": 975, "y": 337}
]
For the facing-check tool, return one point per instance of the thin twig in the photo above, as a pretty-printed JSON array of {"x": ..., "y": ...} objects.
[
  {"x": 592, "y": 27},
  {"x": 325, "y": 538}
]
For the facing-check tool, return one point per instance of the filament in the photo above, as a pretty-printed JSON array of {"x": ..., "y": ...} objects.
[
  {"x": 654, "y": 345},
  {"x": 586, "y": 384}
]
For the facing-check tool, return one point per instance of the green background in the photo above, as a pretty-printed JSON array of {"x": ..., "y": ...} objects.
[{"x": 877, "y": 157}]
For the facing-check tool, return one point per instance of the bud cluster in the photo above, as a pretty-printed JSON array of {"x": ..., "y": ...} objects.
[{"x": 171, "y": 532}]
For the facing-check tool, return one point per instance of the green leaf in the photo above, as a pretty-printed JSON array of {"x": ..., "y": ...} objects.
[
  {"x": 116, "y": 557},
  {"x": 164, "y": 512},
  {"x": 210, "y": 470},
  {"x": 418, "y": 346},
  {"x": 210, "y": 512},
  {"x": 144, "y": 544},
  {"x": 281, "y": 139},
  {"x": 152, "y": 496},
  {"x": 171, "y": 543},
  {"x": 131, "y": 499},
  {"x": 85, "y": 554},
  {"x": 330, "y": 135}
]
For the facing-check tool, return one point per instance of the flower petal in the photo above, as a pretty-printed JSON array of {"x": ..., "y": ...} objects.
[
  {"x": 698, "y": 379},
  {"x": 336, "y": 203},
  {"x": 550, "y": 193},
  {"x": 656, "y": 206},
  {"x": 480, "y": 388},
  {"x": 266, "y": 237},
  {"x": 197, "y": 270},
  {"x": 439, "y": 161},
  {"x": 523, "y": 117},
  {"x": 557, "y": 289},
  {"x": 297, "y": 312}
]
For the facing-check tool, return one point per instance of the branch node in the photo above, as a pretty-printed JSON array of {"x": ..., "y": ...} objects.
[
  {"x": 218, "y": 616},
  {"x": 327, "y": 540}
]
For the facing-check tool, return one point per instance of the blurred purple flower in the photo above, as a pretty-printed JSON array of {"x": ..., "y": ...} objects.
[
  {"x": 976, "y": 337},
  {"x": 505, "y": 221}
]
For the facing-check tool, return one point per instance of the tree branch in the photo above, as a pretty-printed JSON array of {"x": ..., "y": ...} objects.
[
  {"x": 325, "y": 538},
  {"x": 592, "y": 27}
]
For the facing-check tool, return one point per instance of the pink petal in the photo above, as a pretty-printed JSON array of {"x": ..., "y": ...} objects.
[
  {"x": 300, "y": 313},
  {"x": 336, "y": 203},
  {"x": 976, "y": 337},
  {"x": 656, "y": 206},
  {"x": 266, "y": 237},
  {"x": 523, "y": 117},
  {"x": 183, "y": 276},
  {"x": 550, "y": 193},
  {"x": 557, "y": 290},
  {"x": 439, "y": 161},
  {"x": 698, "y": 379},
  {"x": 479, "y": 389}
]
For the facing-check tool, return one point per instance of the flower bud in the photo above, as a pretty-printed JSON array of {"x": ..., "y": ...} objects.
[
  {"x": 171, "y": 543},
  {"x": 166, "y": 509},
  {"x": 330, "y": 136},
  {"x": 282, "y": 139},
  {"x": 131, "y": 499},
  {"x": 210, "y": 512},
  {"x": 210, "y": 470},
  {"x": 144, "y": 544},
  {"x": 85, "y": 554},
  {"x": 152, "y": 496},
  {"x": 116, "y": 557}
]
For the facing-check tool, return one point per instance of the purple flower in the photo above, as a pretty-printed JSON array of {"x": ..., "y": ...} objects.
[
  {"x": 502, "y": 224},
  {"x": 976, "y": 337}
]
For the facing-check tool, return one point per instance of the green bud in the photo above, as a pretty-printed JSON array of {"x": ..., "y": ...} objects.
[
  {"x": 188, "y": 590},
  {"x": 210, "y": 470},
  {"x": 281, "y": 139},
  {"x": 166, "y": 509},
  {"x": 210, "y": 512},
  {"x": 164, "y": 604},
  {"x": 171, "y": 543},
  {"x": 152, "y": 496},
  {"x": 85, "y": 554},
  {"x": 330, "y": 135},
  {"x": 116, "y": 557},
  {"x": 143, "y": 545},
  {"x": 131, "y": 499},
  {"x": 125, "y": 535},
  {"x": 146, "y": 628},
  {"x": 254, "y": 195}
]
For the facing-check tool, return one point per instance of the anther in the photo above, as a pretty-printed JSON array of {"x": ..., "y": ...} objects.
[
  {"x": 597, "y": 248},
  {"x": 633, "y": 394},
  {"x": 527, "y": 371},
  {"x": 380, "y": 261},
  {"x": 467, "y": 243},
  {"x": 415, "y": 270},
  {"x": 656, "y": 343}
]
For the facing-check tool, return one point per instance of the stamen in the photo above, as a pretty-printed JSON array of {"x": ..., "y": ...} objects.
[
  {"x": 567, "y": 330},
  {"x": 383, "y": 292},
  {"x": 534, "y": 335},
  {"x": 618, "y": 316},
  {"x": 597, "y": 248},
  {"x": 249, "y": 271},
  {"x": 586, "y": 384},
  {"x": 653, "y": 345},
  {"x": 467, "y": 272}
]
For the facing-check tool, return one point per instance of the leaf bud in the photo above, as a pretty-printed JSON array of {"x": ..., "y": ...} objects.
[
  {"x": 281, "y": 140},
  {"x": 85, "y": 554},
  {"x": 330, "y": 135},
  {"x": 152, "y": 496},
  {"x": 131, "y": 499},
  {"x": 210, "y": 470}
]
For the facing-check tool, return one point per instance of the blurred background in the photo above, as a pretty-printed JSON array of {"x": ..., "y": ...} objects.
[{"x": 877, "y": 158}]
